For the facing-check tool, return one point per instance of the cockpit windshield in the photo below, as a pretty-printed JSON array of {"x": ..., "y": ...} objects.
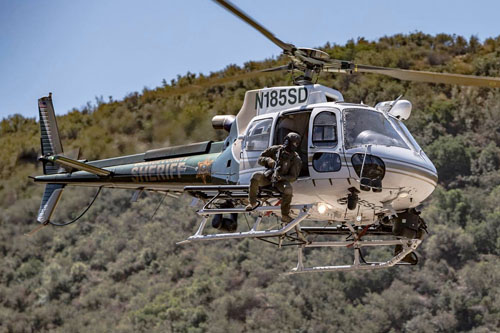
[{"x": 362, "y": 126}]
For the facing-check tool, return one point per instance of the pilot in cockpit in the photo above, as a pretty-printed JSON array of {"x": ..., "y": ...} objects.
[{"x": 350, "y": 133}]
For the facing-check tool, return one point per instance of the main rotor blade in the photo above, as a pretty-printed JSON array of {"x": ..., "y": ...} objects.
[
  {"x": 206, "y": 83},
  {"x": 288, "y": 67},
  {"x": 423, "y": 76},
  {"x": 245, "y": 17}
]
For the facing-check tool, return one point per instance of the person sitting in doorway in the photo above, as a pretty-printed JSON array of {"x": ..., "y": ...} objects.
[{"x": 283, "y": 165}]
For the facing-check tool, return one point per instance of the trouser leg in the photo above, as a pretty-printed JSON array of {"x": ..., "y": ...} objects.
[
  {"x": 258, "y": 180},
  {"x": 287, "y": 193}
]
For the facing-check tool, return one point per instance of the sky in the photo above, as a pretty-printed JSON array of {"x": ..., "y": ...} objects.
[{"x": 79, "y": 50}]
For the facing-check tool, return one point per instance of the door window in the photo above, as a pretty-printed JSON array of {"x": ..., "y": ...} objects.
[
  {"x": 326, "y": 162},
  {"x": 325, "y": 130},
  {"x": 258, "y": 134}
]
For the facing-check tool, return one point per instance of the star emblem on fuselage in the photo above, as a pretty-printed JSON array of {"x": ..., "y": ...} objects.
[{"x": 204, "y": 169}]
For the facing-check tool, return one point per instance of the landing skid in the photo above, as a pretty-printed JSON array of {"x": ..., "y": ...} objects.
[
  {"x": 293, "y": 233},
  {"x": 408, "y": 247}
]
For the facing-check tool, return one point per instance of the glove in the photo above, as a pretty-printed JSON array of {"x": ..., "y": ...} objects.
[{"x": 270, "y": 163}]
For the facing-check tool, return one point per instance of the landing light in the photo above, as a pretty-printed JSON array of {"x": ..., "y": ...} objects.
[
  {"x": 322, "y": 208},
  {"x": 359, "y": 218},
  {"x": 403, "y": 194}
]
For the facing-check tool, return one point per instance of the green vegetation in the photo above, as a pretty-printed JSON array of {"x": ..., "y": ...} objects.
[{"x": 119, "y": 270}]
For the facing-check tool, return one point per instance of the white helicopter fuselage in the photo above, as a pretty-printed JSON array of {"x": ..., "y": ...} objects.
[
  {"x": 332, "y": 153},
  {"x": 359, "y": 163}
]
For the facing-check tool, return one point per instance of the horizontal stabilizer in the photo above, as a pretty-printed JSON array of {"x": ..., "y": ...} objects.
[
  {"x": 74, "y": 164},
  {"x": 50, "y": 198}
]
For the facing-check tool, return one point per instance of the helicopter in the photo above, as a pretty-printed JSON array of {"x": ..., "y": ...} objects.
[{"x": 362, "y": 179}]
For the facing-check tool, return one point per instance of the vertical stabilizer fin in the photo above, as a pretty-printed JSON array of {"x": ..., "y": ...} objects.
[
  {"x": 51, "y": 196},
  {"x": 50, "y": 141}
]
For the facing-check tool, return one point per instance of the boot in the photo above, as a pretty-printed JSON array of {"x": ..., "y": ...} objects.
[{"x": 286, "y": 219}]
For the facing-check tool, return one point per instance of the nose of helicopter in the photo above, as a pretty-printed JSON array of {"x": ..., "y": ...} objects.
[
  {"x": 409, "y": 175},
  {"x": 405, "y": 161}
]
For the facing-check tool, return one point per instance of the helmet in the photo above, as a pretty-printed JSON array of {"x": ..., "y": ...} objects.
[{"x": 292, "y": 141}]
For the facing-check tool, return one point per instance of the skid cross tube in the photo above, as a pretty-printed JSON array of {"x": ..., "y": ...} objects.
[
  {"x": 211, "y": 211},
  {"x": 206, "y": 192},
  {"x": 252, "y": 233}
]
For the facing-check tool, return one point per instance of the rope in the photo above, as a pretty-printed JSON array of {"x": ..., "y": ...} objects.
[
  {"x": 246, "y": 219},
  {"x": 158, "y": 207},
  {"x": 34, "y": 231},
  {"x": 79, "y": 216},
  {"x": 361, "y": 234}
]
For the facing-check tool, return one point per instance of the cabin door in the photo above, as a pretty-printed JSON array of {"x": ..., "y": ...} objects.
[
  {"x": 324, "y": 146},
  {"x": 257, "y": 139}
]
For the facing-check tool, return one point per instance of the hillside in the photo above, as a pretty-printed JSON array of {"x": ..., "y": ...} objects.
[{"x": 120, "y": 270}]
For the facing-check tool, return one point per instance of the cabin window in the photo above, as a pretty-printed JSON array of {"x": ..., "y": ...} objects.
[
  {"x": 258, "y": 135},
  {"x": 326, "y": 162},
  {"x": 402, "y": 129},
  {"x": 362, "y": 127},
  {"x": 325, "y": 130}
]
